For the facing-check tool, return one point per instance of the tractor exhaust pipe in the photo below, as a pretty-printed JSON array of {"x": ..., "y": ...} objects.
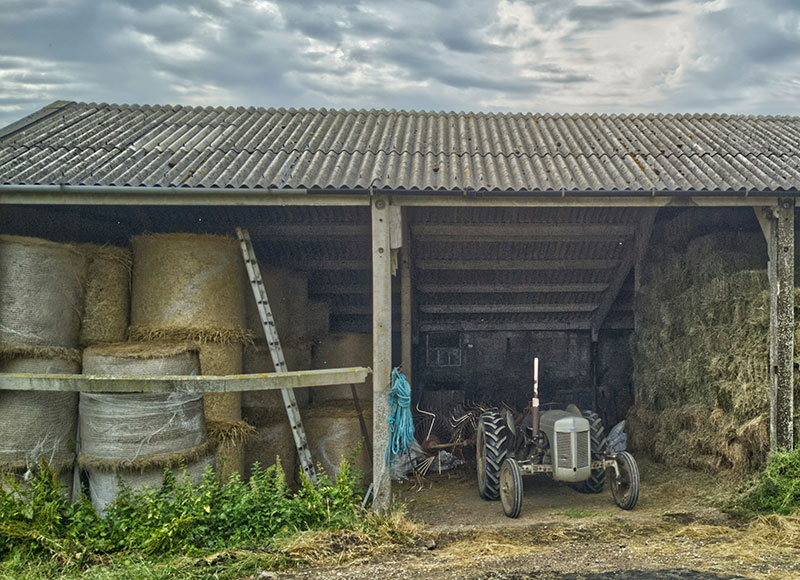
[{"x": 535, "y": 400}]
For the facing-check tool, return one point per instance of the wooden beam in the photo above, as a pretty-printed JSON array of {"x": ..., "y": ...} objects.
[
  {"x": 493, "y": 326},
  {"x": 614, "y": 287},
  {"x": 780, "y": 243},
  {"x": 643, "y": 234},
  {"x": 333, "y": 265},
  {"x": 504, "y": 308},
  {"x": 521, "y": 232},
  {"x": 182, "y": 384},
  {"x": 406, "y": 301},
  {"x": 610, "y": 200},
  {"x": 517, "y": 264},
  {"x": 381, "y": 350},
  {"x": 293, "y": 232},
  {"x": 509, "y": 288}
]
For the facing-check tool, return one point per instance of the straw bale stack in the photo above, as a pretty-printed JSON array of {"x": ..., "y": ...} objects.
[
  {"x": 339, "y": 351},
  {"x": 41, "y": 292},
  {"x": 192, "y": 287},
  {"x": 701, "y": 356},
  {"x": 106, "y": 310},
  {"x": 131, "y": 438},
  {"x": 334, "y": 432},
  {"x": 38, "y": 426}
]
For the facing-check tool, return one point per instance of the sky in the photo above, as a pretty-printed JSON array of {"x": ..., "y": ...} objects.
[{"x": 622, "y": 56}]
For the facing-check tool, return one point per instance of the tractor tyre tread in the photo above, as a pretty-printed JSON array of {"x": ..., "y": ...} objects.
[
  {"x": 599, "y": 446},
  {"x": 496, "y": 435}
]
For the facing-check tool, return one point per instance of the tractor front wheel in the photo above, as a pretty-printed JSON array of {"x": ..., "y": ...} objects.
[
  {"x": 511, "y": 488},
  {"x": 625, "y": 483},
  {"x": 490, "y": 451}
]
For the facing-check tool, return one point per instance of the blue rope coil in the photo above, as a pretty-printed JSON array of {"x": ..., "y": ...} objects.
[{"x": 401, "y": 423}]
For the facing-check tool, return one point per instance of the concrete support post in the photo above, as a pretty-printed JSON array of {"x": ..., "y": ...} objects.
[
  {"x": 381, "y": 350},
  {"x": 782, "y": 315},
  {"x": 406, "y": 304}
]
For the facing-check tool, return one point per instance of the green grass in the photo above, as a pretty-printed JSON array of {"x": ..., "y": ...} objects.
[
  {"x": 577, "y": 513},
  {"x": 183, "y": 530},
  {"x": 777, "y": 488}
]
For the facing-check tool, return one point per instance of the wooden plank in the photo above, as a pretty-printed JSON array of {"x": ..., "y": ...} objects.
[
  {"x": 583, "y": 325},
  {"x": 617, "y": 280},
  {"x": 643, "y": 234},
  {"x": 517, "y": 264},
  {"x": 510, "y": 288},
  {"x": 381, "y": 351},
  {"x": 343, "y": 289},
  {"x": 504, "y": 308},
  {"x": 182, "y": 384},
  {"x": 303, "y": 231},
  {"x": 333, "y": 265},
  {"x": 406, "y": 300},
  {"x": 521, "y": 232},
  {"x": 782, "y": 335}
]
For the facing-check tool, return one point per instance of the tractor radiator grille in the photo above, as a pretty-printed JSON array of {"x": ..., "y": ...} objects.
[
  {"x": 583, "y": 449},
  {"x": 564, "y": 446}
]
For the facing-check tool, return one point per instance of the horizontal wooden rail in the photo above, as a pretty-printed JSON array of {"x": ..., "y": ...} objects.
[{"x": 182, "y": 384}]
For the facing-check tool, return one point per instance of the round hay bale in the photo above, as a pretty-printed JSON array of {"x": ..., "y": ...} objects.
[
  {"x": 271, "y": 441},
  {"x": 35, "y": 425},
  {"x": 142, "y": 359},
  {"x": 106, "y": 311},
  {"x": 287, "y": 292},
  {"x": 334, "y": 432},
  {"x": 318, "y": 323},
  {"x": 122, "y": 434},
  {"x": 105, "y": 486},
  {"x": 187, "y": 286},
  {"x": 41, "y": 292},
  {"x": 224, "y": 410},
  {"x": 339, "y": 351},
  {"x": 263, "y": 407}
]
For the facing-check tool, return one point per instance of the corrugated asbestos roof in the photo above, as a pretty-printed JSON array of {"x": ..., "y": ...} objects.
[{"x": 99, "y": 144}]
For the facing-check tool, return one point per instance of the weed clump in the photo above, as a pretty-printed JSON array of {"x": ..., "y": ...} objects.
[
  {"x": 178, "y": 519},
  {"x": 777, "y": 490}
]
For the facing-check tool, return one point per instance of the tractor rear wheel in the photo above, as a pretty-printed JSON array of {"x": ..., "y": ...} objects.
[
  {"x": 511, "y": 488},
  {"x": 597, "y": 479},
  {"x": 625, "y": 486},
  {"x": 490, "y": 451}
]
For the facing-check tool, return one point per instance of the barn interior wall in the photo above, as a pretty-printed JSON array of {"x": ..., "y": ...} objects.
[{"x": 498, "y": 367}]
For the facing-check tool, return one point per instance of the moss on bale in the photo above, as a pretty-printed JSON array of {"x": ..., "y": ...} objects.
[{"x": 701, "y": 354}]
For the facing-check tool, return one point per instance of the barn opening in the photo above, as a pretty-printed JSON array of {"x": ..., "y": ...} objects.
[{"x": 656, "y": 304}]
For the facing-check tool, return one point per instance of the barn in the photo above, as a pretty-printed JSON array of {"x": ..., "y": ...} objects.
[{"x": 646, "y": 260}]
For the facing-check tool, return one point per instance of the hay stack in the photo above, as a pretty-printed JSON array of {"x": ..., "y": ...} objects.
[
  {"x": 192, "y": 287},
  {"x": 131, "y": 438},
  {"x": 38, "y": 426},
  {"x": 41, "y": 292},
  {"x": 334, "y": 432},
  {"x": 701, "y": 357},
  {"x": 107, "y": 304},
  {"x": 338, "y": 351}
]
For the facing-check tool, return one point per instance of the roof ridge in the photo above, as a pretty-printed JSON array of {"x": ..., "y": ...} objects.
[
  {"x": 434, "y": 112},
  {"x": 42, "y": 113}
]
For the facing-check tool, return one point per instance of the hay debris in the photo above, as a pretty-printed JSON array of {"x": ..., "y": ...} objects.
[
  {"x": 150, "y": 463},
  {"x": 202, "y": 335},
  {"x": 231, "y": 433},
  {"x": 16, "y": 350},
  {"x": 142, "y": 350}
]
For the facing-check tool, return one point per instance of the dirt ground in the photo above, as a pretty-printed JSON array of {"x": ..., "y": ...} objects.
[{"x": 677, "y": 531}]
